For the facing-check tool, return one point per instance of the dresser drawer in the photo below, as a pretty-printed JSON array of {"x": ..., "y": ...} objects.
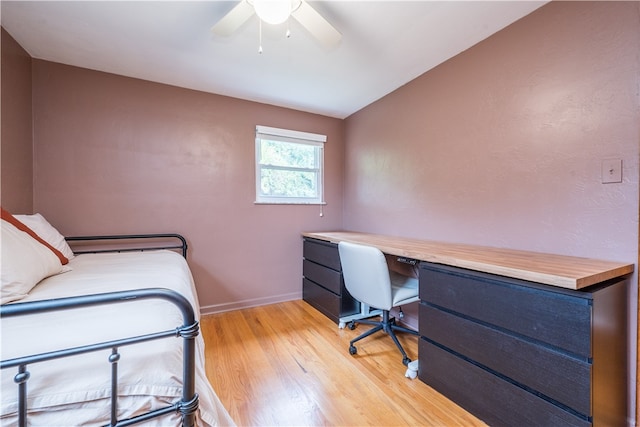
[
  {"x": 564, "y": 379},
  {"x": 328, "y": 303},
  {"x": 327, "y": 277},
  {"x": 560, "y": 319},
  {"x": 493, "y": 399},
  {"x": 323, "y": 253}
]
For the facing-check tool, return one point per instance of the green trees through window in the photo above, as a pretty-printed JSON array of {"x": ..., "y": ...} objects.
[
  {"x": 288, "y": 169},
  {"x": 289, "y": 166}
]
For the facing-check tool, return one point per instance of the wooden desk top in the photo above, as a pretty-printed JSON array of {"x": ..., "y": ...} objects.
[{"x": 557, "y": 270}]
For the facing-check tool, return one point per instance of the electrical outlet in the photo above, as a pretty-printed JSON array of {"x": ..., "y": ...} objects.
[{"x": 611, "y": 171}]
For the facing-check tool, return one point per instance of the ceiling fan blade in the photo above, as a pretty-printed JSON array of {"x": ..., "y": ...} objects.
[
  {"x": 234, "y": 19},
  {"x": 319, "y": 27}
]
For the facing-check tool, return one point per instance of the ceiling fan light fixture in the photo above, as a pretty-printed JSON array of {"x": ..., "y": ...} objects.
[{"x": 274, "y": 11}]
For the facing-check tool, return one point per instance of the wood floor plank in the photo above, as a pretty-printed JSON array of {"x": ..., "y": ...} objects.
[{"x": 287, "y": 364}]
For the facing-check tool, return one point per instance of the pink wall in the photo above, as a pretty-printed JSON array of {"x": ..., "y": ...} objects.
[
  {"x": 502, "y": 145},
  {"x": 120, "y": 155},
  {"x": 16, "y": 154}
]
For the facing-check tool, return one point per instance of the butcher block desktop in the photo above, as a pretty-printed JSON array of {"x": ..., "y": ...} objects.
[
  {"x": 556, "y": 270},
  {"x": 515, "y": 337}
]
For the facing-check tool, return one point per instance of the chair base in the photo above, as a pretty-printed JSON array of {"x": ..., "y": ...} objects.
[{"x": 388, "y": 325}]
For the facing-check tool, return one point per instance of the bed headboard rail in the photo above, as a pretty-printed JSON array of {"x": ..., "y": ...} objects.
[{"x": 127, "y": 243}]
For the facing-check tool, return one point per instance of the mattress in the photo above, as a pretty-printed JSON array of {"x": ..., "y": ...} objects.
[{"x": 76, "y": 390}]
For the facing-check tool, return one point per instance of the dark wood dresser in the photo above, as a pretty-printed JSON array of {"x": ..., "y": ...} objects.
[
  {"x": 322, "y": 283},
  {"x": 517, "y": 353}
]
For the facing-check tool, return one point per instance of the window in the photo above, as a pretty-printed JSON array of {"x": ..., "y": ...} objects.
[{"x": 289, "y": 166}]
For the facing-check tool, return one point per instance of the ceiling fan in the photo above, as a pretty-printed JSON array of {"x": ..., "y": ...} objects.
[{"x": 277, "y": 12}]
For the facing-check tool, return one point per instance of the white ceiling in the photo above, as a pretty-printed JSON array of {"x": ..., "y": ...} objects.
[{"x": 385, "y": 44}]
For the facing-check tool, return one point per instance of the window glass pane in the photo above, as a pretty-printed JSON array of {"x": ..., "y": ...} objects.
[
  {"x": 277, "y": 153},
  {"x": 289, "y": 166},
  {"x": 285, "y": 183}
]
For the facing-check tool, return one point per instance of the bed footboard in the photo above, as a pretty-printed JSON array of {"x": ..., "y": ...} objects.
[{"x": 189, "y": 330}]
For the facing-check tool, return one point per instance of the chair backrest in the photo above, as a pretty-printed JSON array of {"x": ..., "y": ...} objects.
[{"x": 366, "y": 274}]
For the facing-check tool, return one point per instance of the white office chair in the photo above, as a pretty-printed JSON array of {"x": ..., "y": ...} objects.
[{"x": 368, "y": 279}]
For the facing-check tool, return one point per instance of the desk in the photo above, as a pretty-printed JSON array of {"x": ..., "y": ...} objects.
[
  {"x": 556, "y": 270},
  {"x": 515, "y": 337}
]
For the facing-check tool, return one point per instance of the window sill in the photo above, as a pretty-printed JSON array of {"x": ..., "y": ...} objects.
[{"x": 290, "y": 203}]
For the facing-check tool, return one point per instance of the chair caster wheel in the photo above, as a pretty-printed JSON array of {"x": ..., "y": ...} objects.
[
  {"x": 406, "y": 361},
  {"x": 341, "y": 325},
  {"x": 411, "y": 374},
  {"x": 353, "y": 350},
  {"x": 412, "y": 370},
  {"x": 352, "y": 325}
]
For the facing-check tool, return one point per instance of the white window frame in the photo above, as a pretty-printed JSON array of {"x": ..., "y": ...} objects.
[{"x": 286, "y": 135}]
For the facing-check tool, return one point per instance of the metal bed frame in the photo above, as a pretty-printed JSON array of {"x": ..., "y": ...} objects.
[
  {"x": 132, "y": 239},
  {"x": 187, "y": 405}
]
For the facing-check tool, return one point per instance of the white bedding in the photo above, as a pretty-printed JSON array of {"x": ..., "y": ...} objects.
[{"x": 150, "y": 374}]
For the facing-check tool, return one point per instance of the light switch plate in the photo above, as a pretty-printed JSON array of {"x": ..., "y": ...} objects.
[{"x": 611, "y": 171}]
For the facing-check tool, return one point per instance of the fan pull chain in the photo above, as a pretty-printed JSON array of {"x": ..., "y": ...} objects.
[
  {"x": 260, "y": 36},
  {"x": 288, "y": 33}
]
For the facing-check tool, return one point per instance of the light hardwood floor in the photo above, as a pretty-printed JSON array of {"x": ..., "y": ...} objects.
[{"x": 287, "y": 364}]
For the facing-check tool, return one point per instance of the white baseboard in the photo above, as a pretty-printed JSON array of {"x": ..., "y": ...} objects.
[
  {"x": 409, "y": 320},
  {"x": 254, "y": 302}
]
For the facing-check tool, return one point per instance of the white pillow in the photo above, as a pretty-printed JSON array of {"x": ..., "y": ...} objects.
[
  {"x": 24, "y": 261},
  {"x": 47, "y": 232}
]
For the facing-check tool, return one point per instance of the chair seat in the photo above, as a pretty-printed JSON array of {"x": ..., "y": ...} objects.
[{"x": 404, "y": 288}]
